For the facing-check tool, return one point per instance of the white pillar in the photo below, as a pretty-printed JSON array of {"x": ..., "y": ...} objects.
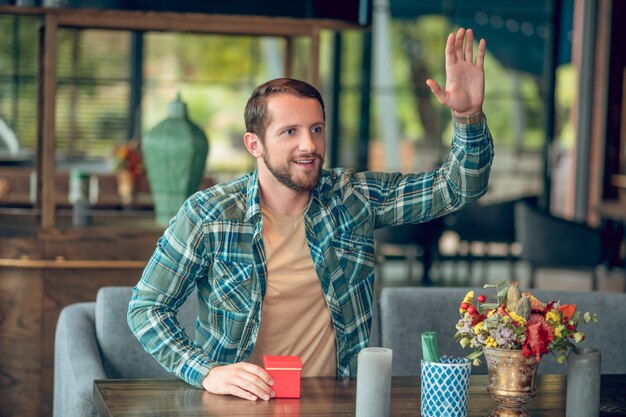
[
  {"x": 383, "y": 86},
  {"x": 273, "y": 57}
]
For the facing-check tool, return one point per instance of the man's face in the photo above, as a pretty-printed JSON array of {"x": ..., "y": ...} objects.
[{"x": 295, "y": 141}]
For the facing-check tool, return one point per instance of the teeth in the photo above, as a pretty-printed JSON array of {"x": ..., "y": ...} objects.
[{"x": 304, "y": 161}]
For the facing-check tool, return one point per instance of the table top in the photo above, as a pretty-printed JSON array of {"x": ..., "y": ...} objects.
[{"x": 325, "y": 397}]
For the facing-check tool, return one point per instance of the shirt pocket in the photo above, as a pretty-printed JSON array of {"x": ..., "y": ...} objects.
[
  {"x": 355, "y": 255},
  {"x": 224, "y": 329},
  {"x": 231, "y": 286}
]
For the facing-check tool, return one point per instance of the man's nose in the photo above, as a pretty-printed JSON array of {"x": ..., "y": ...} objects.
[{"x": 307, "y": 144}]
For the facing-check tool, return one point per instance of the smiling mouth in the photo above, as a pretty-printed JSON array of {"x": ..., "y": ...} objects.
[{"x": 304, "y": 161}]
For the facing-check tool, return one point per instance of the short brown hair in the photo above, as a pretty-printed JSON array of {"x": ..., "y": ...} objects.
[{"x": 256, "y": 116}]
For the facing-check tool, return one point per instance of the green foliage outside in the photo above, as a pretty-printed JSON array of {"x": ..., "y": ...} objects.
[{"x": 215, "y": 75}]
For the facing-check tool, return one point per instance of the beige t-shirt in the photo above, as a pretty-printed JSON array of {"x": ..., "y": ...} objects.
[{"x": 295, "y": 319}]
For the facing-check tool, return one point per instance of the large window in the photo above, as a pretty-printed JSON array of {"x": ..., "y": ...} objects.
[
  {"x": 215, "y": 75},
  {"x": 18, "y": 87}
]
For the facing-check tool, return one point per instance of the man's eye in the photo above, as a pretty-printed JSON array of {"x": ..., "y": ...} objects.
[
  {"x": 317, "y": 129},
  {"x": 290, "y": 131}
]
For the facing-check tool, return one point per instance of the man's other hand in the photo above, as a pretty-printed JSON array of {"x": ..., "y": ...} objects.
[{"x": 242, "y": 379}]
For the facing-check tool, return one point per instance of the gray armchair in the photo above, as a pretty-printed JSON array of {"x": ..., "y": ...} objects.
[
  {"x": 407, "y": 312},
  {"x": 93, "y": 341}
]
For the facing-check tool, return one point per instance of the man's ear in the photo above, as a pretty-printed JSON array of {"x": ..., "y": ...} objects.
[{"x": 253, "y": 144}]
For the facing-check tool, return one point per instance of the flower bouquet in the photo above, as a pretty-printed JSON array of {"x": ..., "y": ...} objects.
[
  {"x": 518, "y": 321},
  {"x": 127, "y": 157},
  {"x": 128, "y": 163}
]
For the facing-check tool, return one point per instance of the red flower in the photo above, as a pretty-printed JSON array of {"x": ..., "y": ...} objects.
[
  {"x": 477, "y": 318},
  {"x": 540, "y": 334},
  {"x": 567, "y": 310},
  {"x": 127, "y": 157}
]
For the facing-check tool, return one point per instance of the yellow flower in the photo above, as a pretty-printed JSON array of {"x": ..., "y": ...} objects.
[
  {"x": 558, "y": 330},
  {"x": 469, "y": 299},
  {"x": 517, "y": 318},
  {"x": 491, "y": 342},
  {"x": 478, "y": 327},
  {"x": 552, "y": 318}
]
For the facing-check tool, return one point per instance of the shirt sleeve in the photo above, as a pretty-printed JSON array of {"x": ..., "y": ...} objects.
[
  {"x": 460, "y": 180},
  {"x": 167, "y": 280}
]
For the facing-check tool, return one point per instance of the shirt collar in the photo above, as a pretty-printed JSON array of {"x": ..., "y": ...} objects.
[{"x": 253, "y": 199}]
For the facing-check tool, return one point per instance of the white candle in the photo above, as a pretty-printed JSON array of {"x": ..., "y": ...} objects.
[{"x": 373, "y": 383}]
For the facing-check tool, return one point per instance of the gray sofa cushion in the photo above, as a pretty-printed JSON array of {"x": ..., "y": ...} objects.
[
  {"x": 407, "y": 312},
  {"x": 122, "y": 354},
  {"x": 76, "y": 361}
]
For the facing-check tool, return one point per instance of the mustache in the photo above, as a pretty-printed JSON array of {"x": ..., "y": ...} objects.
[{"x": 308, "y": 156}]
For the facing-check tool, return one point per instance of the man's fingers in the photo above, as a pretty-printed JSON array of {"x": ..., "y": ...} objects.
[
  {"x": 241, "y": 393},
  {"x": 258, "y": 371},
  {"x": 450, "y": 51},
  {"x": 480, "y": 55},
  {"x": 439, "y": 92},
  {"x": 469, "y": 46},
  {"x": 458, "y": 44},
  {"x": 254, "y": 386},
  {"x": 257, "y": 385}
]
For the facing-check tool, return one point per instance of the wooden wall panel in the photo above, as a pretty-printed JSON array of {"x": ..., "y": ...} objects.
[
  {"x": 20, "y": 341},
  {"x": 32, "y": 297},
  {"x": 113, "y": 245},
  {"x": 17, "y": 248}
]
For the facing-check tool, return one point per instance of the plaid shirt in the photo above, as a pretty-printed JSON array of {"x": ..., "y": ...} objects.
[{"x": 215, "y": 245}]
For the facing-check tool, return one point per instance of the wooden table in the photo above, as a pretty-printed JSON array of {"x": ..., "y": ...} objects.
[{"x": 325, "y": 397}]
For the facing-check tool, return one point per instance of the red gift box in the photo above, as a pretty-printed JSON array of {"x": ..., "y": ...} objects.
[{"x": 286, "y": 371}]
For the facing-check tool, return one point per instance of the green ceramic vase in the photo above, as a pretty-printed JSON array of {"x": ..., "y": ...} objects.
[{"x": 174, "y": 154}]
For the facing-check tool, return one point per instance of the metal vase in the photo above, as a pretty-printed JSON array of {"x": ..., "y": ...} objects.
[{"x": 511, "y": 380}]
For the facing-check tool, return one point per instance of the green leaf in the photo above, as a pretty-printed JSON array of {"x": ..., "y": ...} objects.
[
  {"x": 488, "y": 306},
  {"x": 519, "y": 330},
  {"x": 474, "y": 354},
  {"x": 464, "y": 342},
  {"x": 502, "y": 294}
]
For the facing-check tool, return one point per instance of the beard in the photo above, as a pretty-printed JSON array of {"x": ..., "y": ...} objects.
[{"x": 283, "y": 174}]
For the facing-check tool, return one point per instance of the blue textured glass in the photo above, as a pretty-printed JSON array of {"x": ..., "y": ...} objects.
[{"x": 444, "y": 387}]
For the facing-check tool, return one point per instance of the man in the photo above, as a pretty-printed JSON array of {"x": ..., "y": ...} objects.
[{"x": 283, "y": 259}]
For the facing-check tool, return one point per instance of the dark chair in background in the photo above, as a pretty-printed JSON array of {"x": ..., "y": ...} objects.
[
  {"x": 484, "y": 224},
  {"x": 553, "y": 242},
  {"x": 411, "y": 242}
]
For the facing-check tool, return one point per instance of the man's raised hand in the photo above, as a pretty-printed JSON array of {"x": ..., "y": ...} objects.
[{"x": 465, "y": 79}]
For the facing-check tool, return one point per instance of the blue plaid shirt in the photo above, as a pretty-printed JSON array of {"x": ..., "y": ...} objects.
[{"x": 215, "y": 245}]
